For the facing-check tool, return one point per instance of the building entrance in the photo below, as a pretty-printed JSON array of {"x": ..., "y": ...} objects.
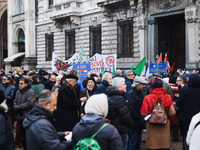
[{"x": 171, "y": 39}]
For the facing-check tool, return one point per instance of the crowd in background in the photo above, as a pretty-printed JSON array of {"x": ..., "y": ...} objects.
[{"x": 39, "y": 109}]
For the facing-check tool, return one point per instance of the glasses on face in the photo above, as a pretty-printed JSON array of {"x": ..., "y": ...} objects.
[
  {"x": 130, "y": 74},
  {"x": 4, "y": 79},
  {"x": 178, "y": 80},
  {"x": 21, "y": 83}
]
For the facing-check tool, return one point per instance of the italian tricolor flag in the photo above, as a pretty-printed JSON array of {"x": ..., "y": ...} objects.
[{"x": 141, "y": 68}]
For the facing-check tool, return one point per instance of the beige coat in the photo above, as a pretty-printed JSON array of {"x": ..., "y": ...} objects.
[{"x": 158, "y": 137}]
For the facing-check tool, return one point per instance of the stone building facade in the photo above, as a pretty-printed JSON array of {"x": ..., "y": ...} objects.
[
  {"x": 3, "y": 32},
  {"x": 131, "y": 28},
  {"x": 21, "y": 35}
]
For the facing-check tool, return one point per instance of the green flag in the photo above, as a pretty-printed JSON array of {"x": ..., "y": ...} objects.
[
  {"x": 102, "y": 69},
  {"x": 80, "y": 56},
  {"x": 132, "y": 68},
  {"x": 113, "y": 69},
  {"x": 140, "y": 67}
]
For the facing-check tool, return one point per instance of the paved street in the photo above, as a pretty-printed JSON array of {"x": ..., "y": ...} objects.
[{"x": 174, "y": 145}]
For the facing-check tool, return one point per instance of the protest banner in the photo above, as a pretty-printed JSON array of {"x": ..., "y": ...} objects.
[
  {"x": 59, "y": 64},
  {"x": 106, "y": 60},
  {"x": 83, "y": 69}
]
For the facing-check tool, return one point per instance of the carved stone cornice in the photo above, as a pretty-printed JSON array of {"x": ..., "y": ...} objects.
[{"x": 191, "y": 13}]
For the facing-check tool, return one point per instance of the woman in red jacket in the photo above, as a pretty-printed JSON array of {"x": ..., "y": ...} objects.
[{"x": 157, "y": 136}]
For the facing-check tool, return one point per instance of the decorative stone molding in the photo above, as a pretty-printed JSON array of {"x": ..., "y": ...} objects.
[
  {"x": 191, "y": 13},
  {"x": 106, "y": 11},
  {"x": 141, "y": 19}
]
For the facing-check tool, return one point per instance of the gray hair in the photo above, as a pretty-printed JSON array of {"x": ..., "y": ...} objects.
[
  {"x": 105, "y": 75},
  {"x": 127, "y": 72},
  {"x": 118, "y": 71},
  {"x": 45, "y": 95},
  {"x": 183, "y": 78},
  {"x": 117, "y": 81},
  {"x": 74, "y": 72}
]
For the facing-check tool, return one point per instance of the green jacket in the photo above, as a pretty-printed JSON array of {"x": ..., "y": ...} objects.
[{"x": 37, "y": 88}]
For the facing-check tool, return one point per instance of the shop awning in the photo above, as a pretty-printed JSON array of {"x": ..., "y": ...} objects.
[{"x": 13, "y": 57}]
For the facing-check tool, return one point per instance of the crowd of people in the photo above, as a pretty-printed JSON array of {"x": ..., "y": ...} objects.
[{"x": 54, "y": 111}]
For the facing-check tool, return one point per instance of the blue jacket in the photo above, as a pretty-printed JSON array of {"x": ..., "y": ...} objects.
[
  {"x": 102, "y": 87},
  {"x": 6, "y": 135},
  {"x": 128, "y": 82},
  {"x": 9, "y": 93},
  {"x": 40, "y": 133}
]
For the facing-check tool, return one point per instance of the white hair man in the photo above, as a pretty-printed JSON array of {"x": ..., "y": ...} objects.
[
  {"x": 107, "y": 80},
  {"x": 135, "y": 98},
  {"x": 118, "y": 109},
  {"x": 40, "y": 133}
]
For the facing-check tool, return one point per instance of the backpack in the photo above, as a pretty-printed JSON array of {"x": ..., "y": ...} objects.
[
  {"x": 158, "y": 116},
  {"x": 89, "y": 143}
]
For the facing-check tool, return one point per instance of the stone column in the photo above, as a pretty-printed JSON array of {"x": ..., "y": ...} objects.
[
  {"x": 141, "y": 23},
  {"x": 30, "y": 49},
  {"x": 191, "y": 17}
]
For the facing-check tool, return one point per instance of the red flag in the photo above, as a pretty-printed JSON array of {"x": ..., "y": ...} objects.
[
  {"x": 167, "y": 61},
  {"x": 160, "y": 58},
  {"x": 172, "y": 67}
]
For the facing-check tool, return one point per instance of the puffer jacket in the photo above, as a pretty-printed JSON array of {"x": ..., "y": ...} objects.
[
  {"x": 118, "y": 111},
  {"x": 40, "y": 133},
  {"x": 108, "y": 138},
  {"x": 24, "y": 101},
  {"x": 102, "y": 87},
  {"x": 128, "y": 82},
  {"x": 9, "y": 93}
]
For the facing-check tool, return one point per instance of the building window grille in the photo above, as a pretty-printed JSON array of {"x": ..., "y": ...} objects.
[
  {"x": 69, "y": 44},
  {"x": 49, "y": 42},
  {"x": 50, "y": 4},
  {"x": 95, "y": 40},
  {"x": 125, "y": 39}
]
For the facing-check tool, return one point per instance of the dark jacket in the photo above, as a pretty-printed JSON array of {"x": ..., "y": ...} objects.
[
  {"x": 135, "y": 99},
  {"x": 24, "y": 101},
  {"x": 108, "y": 138},
  {"x": 48, "y": 85},
  {"x": 43, "y": 80},
  {"x": 40, "y": 133},
  {"x": 118, "y": 111},
  {"x": 102, "y": 87},
  {"x": 37, "y": 88},
  {"x": 189, "y": 101},
  {"x": 6, "y": 134},
  {"x": 68, "y": 105},
  {"x": 9, "y": 93},
  {"x": 128, "y": 82}
]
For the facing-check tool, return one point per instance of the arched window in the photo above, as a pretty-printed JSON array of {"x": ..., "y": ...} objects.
[{"x": 21, "y": 41}]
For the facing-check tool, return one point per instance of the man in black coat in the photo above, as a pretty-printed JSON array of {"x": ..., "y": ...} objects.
[
  {"x": 135, "y": 99},
  {"x": 50, "y": 83},
  {"x": 118, "y": 110},
  {"x": 189, "y": 101},
  {"x": 68, "y": 106},
  {"x": 40, "y": 133}
]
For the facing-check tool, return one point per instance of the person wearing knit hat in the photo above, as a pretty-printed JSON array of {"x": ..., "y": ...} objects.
[
  {"x": 97, "y": 104},
  {"x": 96, "y": 110},
  {"x": 88, "y": 91}
]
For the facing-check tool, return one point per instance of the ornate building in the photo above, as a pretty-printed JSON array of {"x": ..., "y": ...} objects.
[
  {"x": 21, "y": 35},
  {"x": 3, "y": 32},
  {"x": 131, "y": 28}
]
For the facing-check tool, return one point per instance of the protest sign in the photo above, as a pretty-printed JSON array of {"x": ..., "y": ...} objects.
[
  {"x": 83, "y": 69},
  {"x": 161, "y": 66}
]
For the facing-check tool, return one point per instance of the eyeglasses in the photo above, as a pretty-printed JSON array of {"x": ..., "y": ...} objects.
[
  {"x": 178, "y": 80},
  {"x": 4, "y": 79},
  {"x": 21, "y": 83},
  {"x": 130, "y": 74}
]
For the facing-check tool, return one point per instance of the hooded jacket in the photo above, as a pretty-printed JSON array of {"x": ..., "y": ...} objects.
[
  {"x": 118, "y": 110},
  {"x": 40, "y": 133},
  {"x": 108, "y": 138},
  {"x": 189, "y": 101},
  {"x": 128, "y": 82}
]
